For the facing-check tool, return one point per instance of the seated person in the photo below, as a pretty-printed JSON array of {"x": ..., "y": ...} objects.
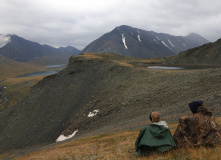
[
  {"x": 199, "y": 129},
  {"x": 154, "y": 137}
]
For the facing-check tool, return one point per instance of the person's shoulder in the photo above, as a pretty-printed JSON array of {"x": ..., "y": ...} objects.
[
  {"x": 145, "y": 127},
  {"x": 183, "y": 118}
]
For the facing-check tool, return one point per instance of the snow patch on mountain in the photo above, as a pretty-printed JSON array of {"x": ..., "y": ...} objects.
[
  {"x": 158, "y": 38},
  {"x": 4, "y": 39},
  {"x": 94, "y": 113},
  {"x": 170, "y": 43},
  {"x": 156, "y": 41},
  {"x": 124, "y": 41},
  {"x": 62, "y": 137},
  {"x": 166, "y": 45},
  {"x": 138, "y": 36}
]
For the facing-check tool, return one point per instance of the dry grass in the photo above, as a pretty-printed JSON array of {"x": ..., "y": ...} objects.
[
  {"x": 17, "y": 88},
  {"x": 171, "y": 71},
  {"x": 119, "y": 146},
  {"x": 13, "y": 69},
  {"x": 152, "y": 60},
  {"x": 89, "y": 56},
  {"x": 123, "y": 63},
  {"x": 13, "y": 81}
]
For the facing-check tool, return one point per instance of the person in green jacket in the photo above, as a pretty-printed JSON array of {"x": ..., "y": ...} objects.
[{"x": 156, "y": 137}]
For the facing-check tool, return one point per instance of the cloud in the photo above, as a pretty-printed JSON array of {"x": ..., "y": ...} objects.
[{"x": 77, "y": 23}]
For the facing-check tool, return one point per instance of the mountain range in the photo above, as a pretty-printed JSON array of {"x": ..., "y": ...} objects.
[
  {"x": 123, "y": 40},
  {"x": 129, "y": 41},
  {"x": 100, "y": 93},
  {"x": 22, "y": 50}
]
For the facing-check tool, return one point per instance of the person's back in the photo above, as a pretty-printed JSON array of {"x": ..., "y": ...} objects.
[
  {"x": 199, "y": 129},
  {"x": 154, "y": 137}
]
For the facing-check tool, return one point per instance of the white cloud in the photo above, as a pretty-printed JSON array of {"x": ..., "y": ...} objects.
[{"x": 77, "y": 23}]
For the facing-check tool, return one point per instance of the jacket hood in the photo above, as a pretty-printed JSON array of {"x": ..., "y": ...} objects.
[
  {"x": 159, "y": 129},
  {"x": 161, "y": 123}
]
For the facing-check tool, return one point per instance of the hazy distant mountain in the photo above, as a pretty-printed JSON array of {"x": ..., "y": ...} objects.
[
  {"x": 207, "y": 54},
  {"x": 20, "y": 49},
  {"x": 129, "y": 41},
  {"x": 69, "y": 49}
]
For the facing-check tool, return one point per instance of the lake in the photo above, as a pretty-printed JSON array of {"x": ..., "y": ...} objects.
[
  {"x": 164, "y": 67},
  {"x": 56, "y": 66},
  {"x": 180, "y": 67},
  {"x": 45, "y": 73}
]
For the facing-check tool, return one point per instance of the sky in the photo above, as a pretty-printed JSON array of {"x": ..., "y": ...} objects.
[{"x": 79, "y": 22}]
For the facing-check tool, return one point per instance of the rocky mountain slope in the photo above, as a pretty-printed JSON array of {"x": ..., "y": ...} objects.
[
  {"x": 129, "y": 41},
  {"x": 20, "y": 49},
  {"x": 207, "y": 54},
  {"x": 99, "y": 93}
]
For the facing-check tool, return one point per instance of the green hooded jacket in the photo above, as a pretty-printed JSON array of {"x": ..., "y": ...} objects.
[{"x": 154, "y": 137}]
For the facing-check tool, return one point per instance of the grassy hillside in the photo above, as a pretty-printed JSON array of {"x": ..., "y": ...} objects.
[
  {"x": 118, "y": 146},
  {"x": 16, "y": 89},
  {"x": 11, "y": 68},
  {"x": 207, "y": 54},
  {"x": 120, "y": 87}
]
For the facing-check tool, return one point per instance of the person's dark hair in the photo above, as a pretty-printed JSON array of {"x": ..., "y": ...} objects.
[
  {"x": 150, "y": 117},
  {"x": 194, "y": 105}
]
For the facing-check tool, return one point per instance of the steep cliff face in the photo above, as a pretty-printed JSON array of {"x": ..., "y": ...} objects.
[{"x": 103, "y": 93}]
